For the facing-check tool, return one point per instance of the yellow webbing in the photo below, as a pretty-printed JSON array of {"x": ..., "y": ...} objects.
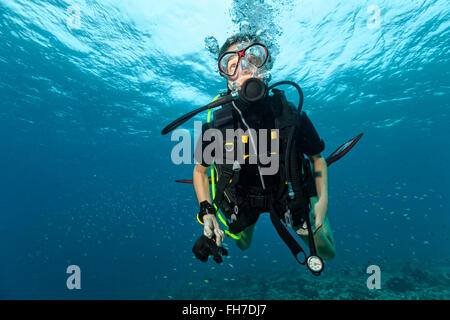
[{"x": 213, "y": 186}]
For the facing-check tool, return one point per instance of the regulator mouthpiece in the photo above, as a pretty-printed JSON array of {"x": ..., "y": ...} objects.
[{"x": 252, "y": 91}]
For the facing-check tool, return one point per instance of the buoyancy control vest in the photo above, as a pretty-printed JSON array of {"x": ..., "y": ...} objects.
[{"x": 237, "y": 204}]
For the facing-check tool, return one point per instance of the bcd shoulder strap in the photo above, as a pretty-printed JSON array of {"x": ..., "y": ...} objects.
[
  {"x": 284, "y": 112},
  {"x": 224, "y": 118}
]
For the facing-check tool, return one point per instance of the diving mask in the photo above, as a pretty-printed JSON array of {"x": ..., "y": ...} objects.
[{"x": 248, "y": 60}]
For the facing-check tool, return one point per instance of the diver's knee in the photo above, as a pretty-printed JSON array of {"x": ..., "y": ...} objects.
[
  {"x": 243, "y": 245},
  {"x": 246, "y": 238},
  {"x": 326, "y": 253}
]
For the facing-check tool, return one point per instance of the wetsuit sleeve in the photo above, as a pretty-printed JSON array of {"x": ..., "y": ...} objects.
[
  {"x": 200, "y": 147},
  {"x": 308, "y": 139}
]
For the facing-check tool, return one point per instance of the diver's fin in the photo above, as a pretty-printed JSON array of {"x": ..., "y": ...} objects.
[
  {"x": 343, "y": 149},
  {"x": 188, "y": 181},
  {"x": 336, "y": 155}
]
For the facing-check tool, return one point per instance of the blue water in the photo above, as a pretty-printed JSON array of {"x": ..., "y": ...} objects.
[{"x": 87, "y": 179}]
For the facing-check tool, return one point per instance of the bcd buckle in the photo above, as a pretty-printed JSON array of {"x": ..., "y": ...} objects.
[
  {"x": 258, "y": 201},
  {"x": 288, "y": 218}
]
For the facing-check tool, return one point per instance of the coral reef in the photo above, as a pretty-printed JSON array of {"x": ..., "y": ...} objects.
[{"x": 347, "y": 283}]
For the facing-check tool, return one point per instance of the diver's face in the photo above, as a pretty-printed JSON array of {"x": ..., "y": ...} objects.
[{"x": 245, "y": 70}]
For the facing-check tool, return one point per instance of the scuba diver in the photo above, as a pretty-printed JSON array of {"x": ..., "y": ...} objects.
[{"x": 296, "y": 193}]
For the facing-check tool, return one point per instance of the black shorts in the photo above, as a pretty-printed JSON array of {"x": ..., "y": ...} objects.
[{"x": 247, "y": 215}]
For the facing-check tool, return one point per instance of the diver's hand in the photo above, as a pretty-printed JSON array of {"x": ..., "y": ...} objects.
[
  {"x": 320, "y": 213},
  {"x": 211, "y": 227}
]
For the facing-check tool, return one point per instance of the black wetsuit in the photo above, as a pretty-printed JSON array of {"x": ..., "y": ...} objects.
[{"x": 307, "y": 139}]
